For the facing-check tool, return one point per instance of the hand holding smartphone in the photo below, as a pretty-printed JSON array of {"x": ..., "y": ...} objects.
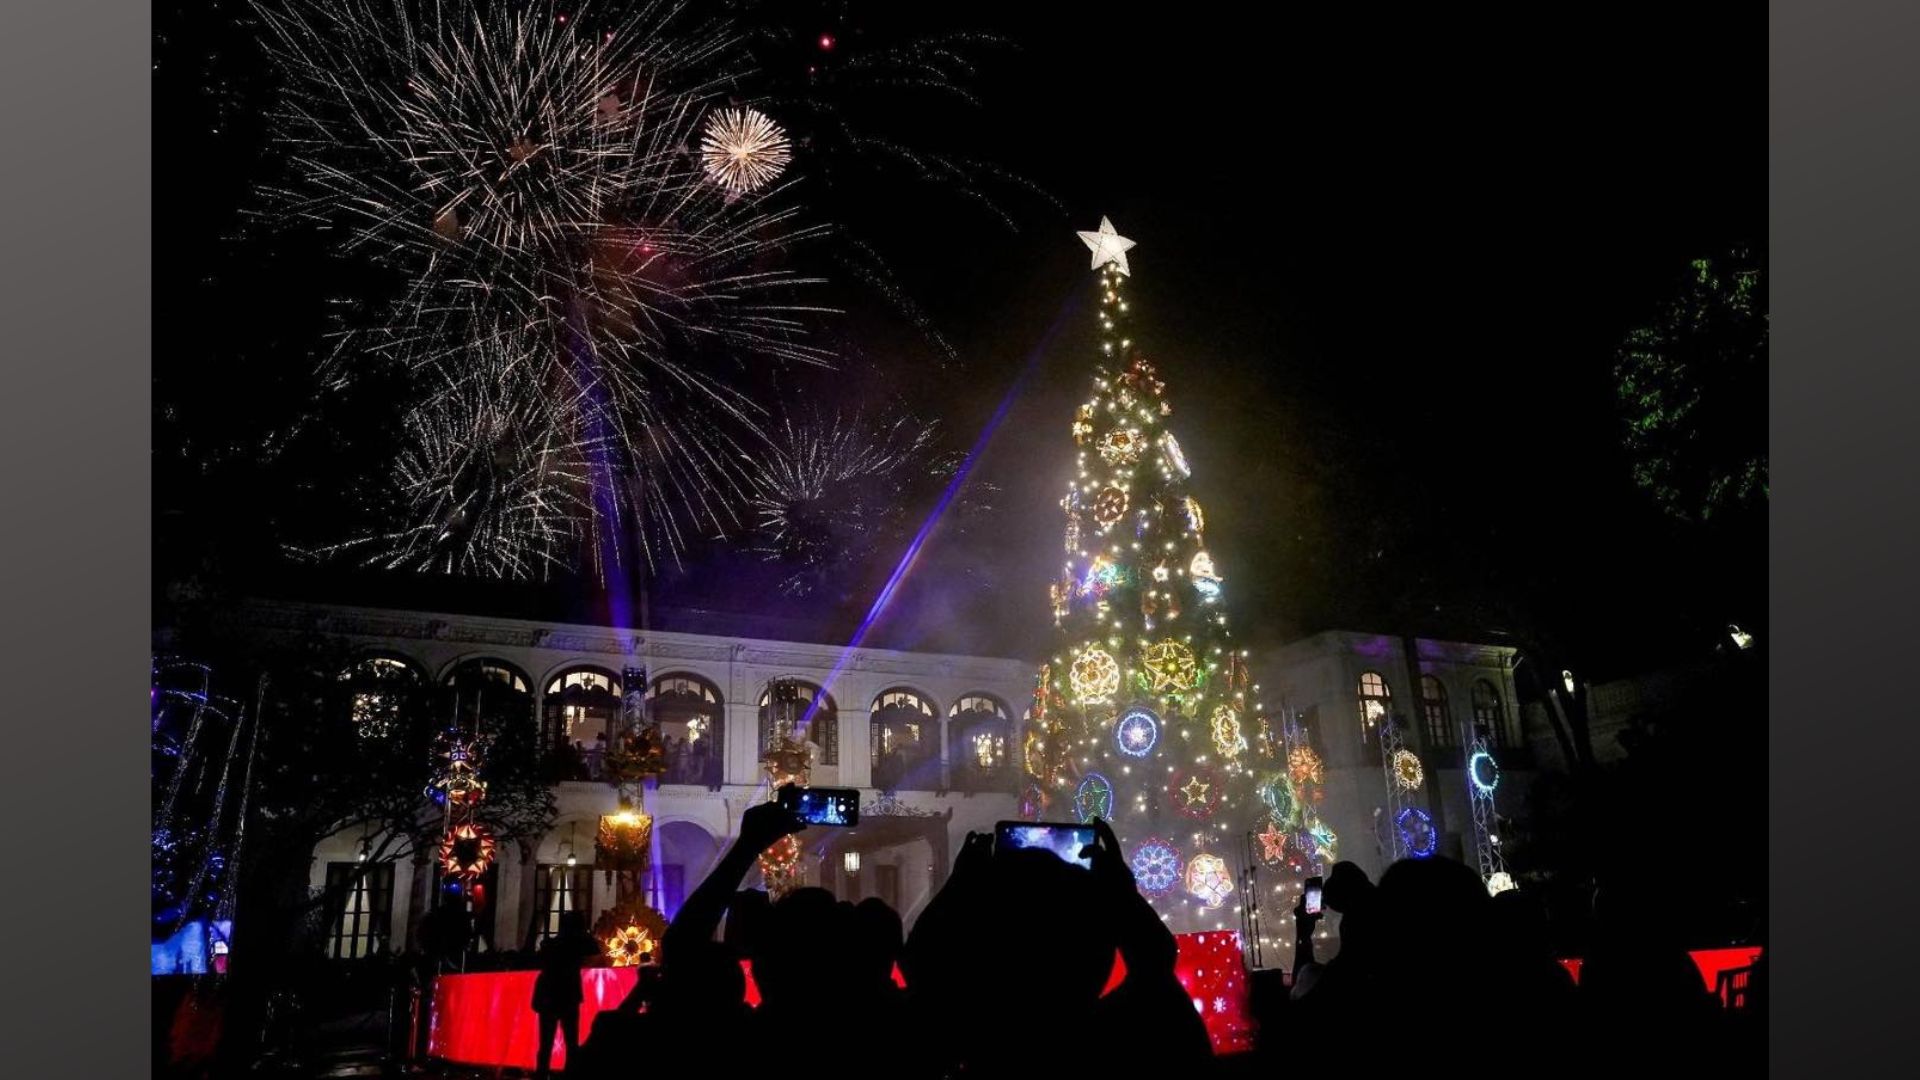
[
  {"x": 1311, "y": 892},
  {"x": 1062, "y": 839},
  {"x": 838, "y": 807}
]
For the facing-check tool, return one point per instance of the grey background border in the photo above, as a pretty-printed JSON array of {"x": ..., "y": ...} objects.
[
  {"x": 1845, "y": 165},
  {"x": 76, "y": 527},
  {"x": 75, "y": 301}
]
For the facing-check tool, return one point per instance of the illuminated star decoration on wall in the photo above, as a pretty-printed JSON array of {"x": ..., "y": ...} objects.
[
  {"x": 1108, "y": 247},
  {"x": 1273, "y": 844},
  {"x": 1196, "y": 791}
]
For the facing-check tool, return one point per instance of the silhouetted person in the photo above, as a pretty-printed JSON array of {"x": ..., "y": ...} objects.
[
  {"x": 556, "y": 990},
  {"x": 1638, "y": 977},
  {"x": 1534, "y": 992}
]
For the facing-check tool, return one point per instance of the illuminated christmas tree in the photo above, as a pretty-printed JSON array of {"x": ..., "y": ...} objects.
[{"x": 1145, "y": 715}]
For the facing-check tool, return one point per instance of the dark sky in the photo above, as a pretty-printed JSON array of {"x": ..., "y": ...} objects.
[{"x": 1383, "y": 263}]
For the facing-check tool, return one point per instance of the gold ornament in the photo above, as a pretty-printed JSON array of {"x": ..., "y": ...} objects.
[
  {"x": 1196, "y": 518},
  {"x": 1095, "y": 676},
  {"x": 1407, "y": 770},
  {"x": 624, "y": 841},
  {"x": 1305, "y": 765},
  {"x": 1170, "y": 667},
  {"x": 1083, "y": 424},
  {"x": 629, "y": 945},
  {"x": 1121, "y": 446},
  {"x": 1227, "y": 736},
  {"x": 1195, "y": 792},
  {"x": 1109, "y": 506}
]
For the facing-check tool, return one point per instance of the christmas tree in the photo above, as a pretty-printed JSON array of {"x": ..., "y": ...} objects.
[{"x": 1144, "y": 716}]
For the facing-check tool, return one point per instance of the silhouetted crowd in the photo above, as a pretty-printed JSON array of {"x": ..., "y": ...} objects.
[{"x": 1006, "y": 966}]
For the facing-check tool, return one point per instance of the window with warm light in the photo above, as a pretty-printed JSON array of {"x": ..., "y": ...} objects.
[
  {"x": 1376, "y": 704},
  {"x": 904, "y": 754},
  {"x": 581, "y": 704},
  {"x": 691, "y": 716},
  {"x": 784, "y": 705},
  {"x": 557, "y": 889},
  {"x": 981, "y": 729}
]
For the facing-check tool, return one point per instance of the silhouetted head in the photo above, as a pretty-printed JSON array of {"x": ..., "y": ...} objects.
[
  {"x": 1432, "y": 917},
  {"x": 1347, "y": 887},
  {"x": 573, "y": 923},
  {"x": 1519, "y": 922},
  {"x": 806, "y": 947},
  {"x": 877, "y": 938}
]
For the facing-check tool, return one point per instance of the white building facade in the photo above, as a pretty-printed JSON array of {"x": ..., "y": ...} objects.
[
  {"x": 929, "y": 739},
  {"x": 1344, "y": 685}
]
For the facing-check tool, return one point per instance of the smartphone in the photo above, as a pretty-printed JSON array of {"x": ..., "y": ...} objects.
[
  {"x": 1310, "y": 901},
  {"x": 823, "y": 805},
  {"x": 1063, "y": 840}
]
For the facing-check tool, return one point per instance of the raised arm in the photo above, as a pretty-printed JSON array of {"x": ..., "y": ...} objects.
[{"x": 700, "y": 916}]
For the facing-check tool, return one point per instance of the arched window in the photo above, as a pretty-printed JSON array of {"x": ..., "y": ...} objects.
[
  {"x": 980, "y": 728},
  {"x": 903, "y": 737},
  {"x": 693, "y": 725},
  {"x": 377, "y": 689},
  {"x": 1433, "y": 711},
  {"x": 481, "y": 672},
  {"x": 784, "y": 705},
  {"x": 1376, "y": 705},
  {"x": 582, "y": 706},
  {"x": 1488, "y": 716}
]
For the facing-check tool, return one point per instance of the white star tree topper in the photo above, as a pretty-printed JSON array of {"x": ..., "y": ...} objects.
[{"x": 1108, "y": 247}]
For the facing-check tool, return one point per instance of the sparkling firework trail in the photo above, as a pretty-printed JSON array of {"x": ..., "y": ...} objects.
[
  {"x": 576, "y": 287},
  {"x": 827, "y": 485}
]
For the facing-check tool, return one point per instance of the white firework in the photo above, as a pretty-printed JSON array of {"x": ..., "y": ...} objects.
[
  {"x": 566, "y": 264},
  {"x": 743, "y": 150}
]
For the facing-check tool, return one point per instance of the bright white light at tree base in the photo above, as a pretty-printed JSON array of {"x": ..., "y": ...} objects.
[
  {"x": 1500, "y": 881},
  {"x": 1484, "y": 772},
  {"x": 743, "y": 150}
]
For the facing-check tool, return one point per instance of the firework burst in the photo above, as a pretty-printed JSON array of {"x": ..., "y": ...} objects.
[
  {"x": 575, "y": 288},
  {"x": 828, "y": 485},
  {"x": 743, "y": 150}
]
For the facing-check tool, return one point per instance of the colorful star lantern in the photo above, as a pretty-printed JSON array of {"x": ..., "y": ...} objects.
[
  {"x": 629, "y": 945},
  {"x": 1304, "y": 766},
  {"x": 1095, "y": 676},
  {"x": 1093, "y": 798},
  {"x": 1169, "y": 667},
  {"x": 466, "y": 851},
  {"x": 1273, "y": 845},
  {"x": 1121, "y": 446},
  {"x": 1326, "y": 845},
  {"x": 1208, "y": 880},
  {"x": 1109, "y": 506},
  {"x": 1196, "y": 792},
  {"x": 1156, "y": 866}
]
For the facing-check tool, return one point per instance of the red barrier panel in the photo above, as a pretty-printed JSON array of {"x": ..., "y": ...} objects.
[{"x": 487, "y": 1018}]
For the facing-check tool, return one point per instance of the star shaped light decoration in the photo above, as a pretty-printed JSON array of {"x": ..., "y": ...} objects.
[
  {"x": 1108, "y": 247},
  {"x": 1273, "y": 845},
  {"x": 1196, "y": 791}
]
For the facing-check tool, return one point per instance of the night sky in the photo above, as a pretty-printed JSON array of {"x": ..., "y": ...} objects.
[{"x": 1383, "y": 264}]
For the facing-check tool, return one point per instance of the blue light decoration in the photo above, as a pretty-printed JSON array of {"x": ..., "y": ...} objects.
[
  {"x": 1208, "y": 589},
  {"x": 192, "y": 949},
  {"x": 1093, "y": 798},
  {"x": 1156, "y": 866},
  {"x": 1416, "y": 831},
  {"x": 1137, "y": 732},
  {"x": 1483, "y": 772}
]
